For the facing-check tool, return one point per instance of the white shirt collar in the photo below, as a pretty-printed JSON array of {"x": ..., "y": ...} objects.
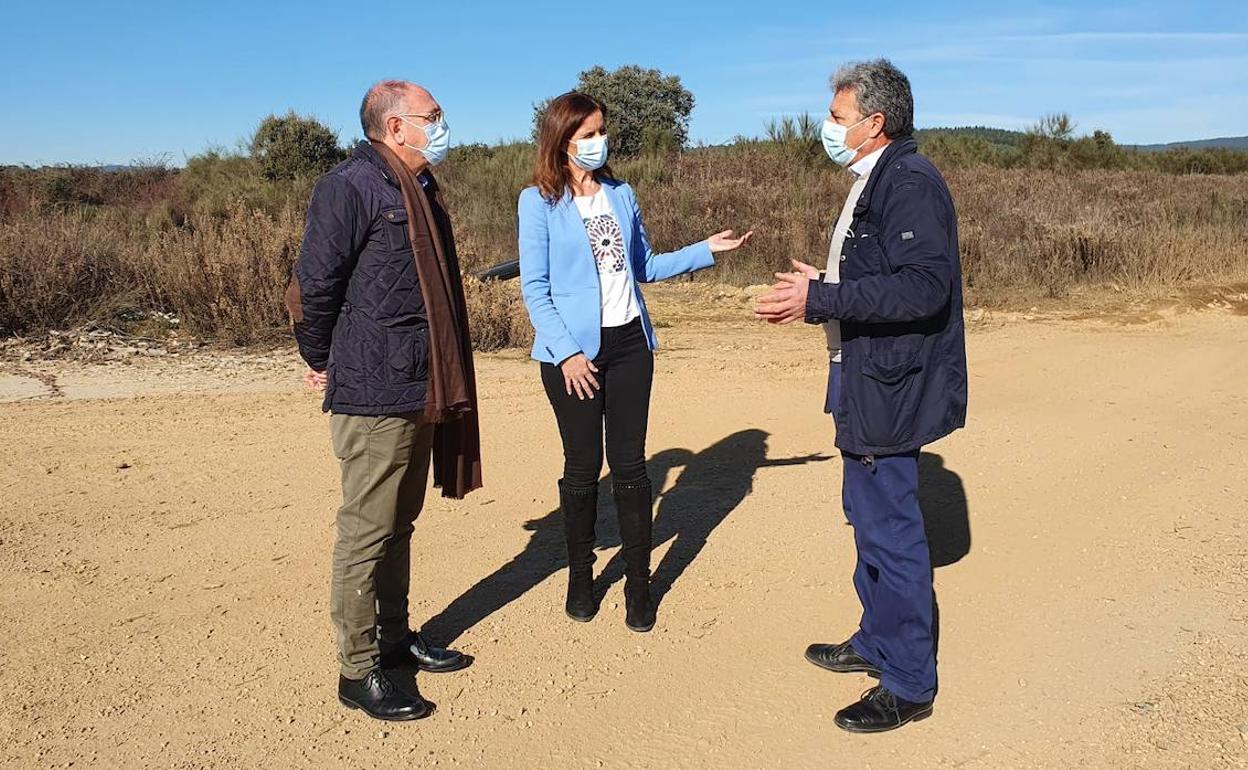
[{"x": 864, "y": 166}]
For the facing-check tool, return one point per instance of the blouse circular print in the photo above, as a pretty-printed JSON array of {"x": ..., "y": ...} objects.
[{"x": 607, "y": 243}]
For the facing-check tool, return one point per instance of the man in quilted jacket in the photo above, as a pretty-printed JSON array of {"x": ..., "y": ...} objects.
[{"x": 361, "y": 324}]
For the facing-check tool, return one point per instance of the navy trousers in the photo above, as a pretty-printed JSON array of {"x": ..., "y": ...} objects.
[{"x": 894, "y": 573}]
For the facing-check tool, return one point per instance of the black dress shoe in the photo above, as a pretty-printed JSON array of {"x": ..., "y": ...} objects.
[
  {"x": 880, "y": 711},
  {"x": 841, "y": 658},
  {"x": 415, "y": 652},
  {"x": 379, "y": 697}
]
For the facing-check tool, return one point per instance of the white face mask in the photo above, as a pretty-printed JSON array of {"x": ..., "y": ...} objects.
[
  {"x": 591, "y": 153},
  {"x": 438, "y": 140},
  {"x": 833, "y": 136}
]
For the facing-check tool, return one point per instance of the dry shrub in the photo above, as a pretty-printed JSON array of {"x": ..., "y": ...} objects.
[
  {"x": 496, "y": 315},
  {"x": 1026, "y": 234},
  {"x": 225, "y": 277},
  {"x": 1036, "y": 232},
  {"x": 790, "y": 204},
  {"x": 63, "y": 268}
]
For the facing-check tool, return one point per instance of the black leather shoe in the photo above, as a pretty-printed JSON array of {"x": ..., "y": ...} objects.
[
  {"x": 415, "y": 652},
  {"x": 841, "y": 658},
  {"x": 379, "y": 697},
  {"x": 879, "y": 711}
]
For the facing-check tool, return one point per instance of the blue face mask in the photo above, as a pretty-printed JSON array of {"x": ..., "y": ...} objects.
[
  {"x": 438, "y": 144},
  {"x": 833, "y": 136},
  {"x": 591, "y": 153}
]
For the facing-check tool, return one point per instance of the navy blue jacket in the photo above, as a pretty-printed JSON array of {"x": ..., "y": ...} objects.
[
  {"x": 355, "y": 299},
  {"x": 903, "y": 343}
]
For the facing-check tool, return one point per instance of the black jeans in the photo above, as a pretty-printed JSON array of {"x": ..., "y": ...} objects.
[{"x": 625, "y": 372}]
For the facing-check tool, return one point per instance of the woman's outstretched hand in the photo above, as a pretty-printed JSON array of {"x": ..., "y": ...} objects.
[
  {"x": 578, "y": 375},
  {"x": 724, "y": 241}
]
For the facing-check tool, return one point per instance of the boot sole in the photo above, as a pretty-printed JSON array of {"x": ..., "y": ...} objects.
[
  {"x": 639, "y": 629},
  {"x": 580, "y": 618},
  {"x": 429, "y": 709},
  {"x": 916, "y": 717},
  {"x": 871, "y": 672}
]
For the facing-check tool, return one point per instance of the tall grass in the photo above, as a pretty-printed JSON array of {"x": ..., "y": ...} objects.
[{"x": 214, "y": 243}]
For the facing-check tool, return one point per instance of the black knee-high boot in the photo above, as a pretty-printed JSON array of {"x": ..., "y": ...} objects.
[
  {"x": 634, "y": 502},
  {"x": 580, "y": 510}
]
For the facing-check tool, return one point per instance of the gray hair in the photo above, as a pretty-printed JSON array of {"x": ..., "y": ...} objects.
[
  {"x": 382, "y": 100},
  {"x": 880, "y": 87}
]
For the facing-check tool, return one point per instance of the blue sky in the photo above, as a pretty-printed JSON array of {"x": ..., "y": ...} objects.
[{"x": 112, "y": 82}]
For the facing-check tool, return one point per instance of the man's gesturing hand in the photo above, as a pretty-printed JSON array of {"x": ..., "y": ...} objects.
[{"x": 786, "y": 302}]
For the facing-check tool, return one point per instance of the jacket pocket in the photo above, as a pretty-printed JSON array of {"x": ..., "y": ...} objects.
[
  {"x": 889, "y": 360},
  {"x": 407, "y": 354},
  {"x": 862, "y": 255},
  {"x": 396, "y": 228},
  {"x": 890, "y": 390}
]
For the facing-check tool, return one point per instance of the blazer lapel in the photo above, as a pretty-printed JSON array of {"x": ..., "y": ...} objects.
[{"x": 573, "y": 226}]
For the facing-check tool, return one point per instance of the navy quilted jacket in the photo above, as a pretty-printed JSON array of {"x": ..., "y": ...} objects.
[
  {"x": 355, "y": 298},
  {"x": 903, "y": 346}
]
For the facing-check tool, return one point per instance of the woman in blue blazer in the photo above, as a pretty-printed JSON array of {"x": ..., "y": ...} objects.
[{"x": 583, "y": 255}]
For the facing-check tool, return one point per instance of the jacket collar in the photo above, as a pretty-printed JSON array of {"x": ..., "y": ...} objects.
[
  {"x": 364, "y": 151},
  {"x": 892, "y": 152}
]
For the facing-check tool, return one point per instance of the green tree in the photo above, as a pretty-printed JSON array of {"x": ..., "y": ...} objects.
[
  {"x": 292, "y": 146},
  {"x": 649, "y": 111},
  {"x": 959, "y": 150},
  {"x": 798, "y": 136},
  {"x": 1047, "y": 144}
]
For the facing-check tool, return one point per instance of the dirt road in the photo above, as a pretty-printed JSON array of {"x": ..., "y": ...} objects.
[{"x": 165, "y": 532}]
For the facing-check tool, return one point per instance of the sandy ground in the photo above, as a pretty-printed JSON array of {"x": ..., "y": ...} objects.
[{"x": 166, "y": 526}]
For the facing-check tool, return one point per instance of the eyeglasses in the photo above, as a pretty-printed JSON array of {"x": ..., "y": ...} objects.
[{"x": 431, "y": 117}]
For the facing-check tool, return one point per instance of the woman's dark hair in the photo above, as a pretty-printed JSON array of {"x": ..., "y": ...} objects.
[{"x": 563, "y": 117}]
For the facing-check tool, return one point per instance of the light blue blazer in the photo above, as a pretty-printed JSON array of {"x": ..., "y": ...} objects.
[{"x": 559, "y": 278}]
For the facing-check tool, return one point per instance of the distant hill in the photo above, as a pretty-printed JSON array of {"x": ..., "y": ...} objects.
[
  {"x": 1223, "y": 143},
  {"x": 1006, "y": 138},
  {"x": 998, "y": 136}
]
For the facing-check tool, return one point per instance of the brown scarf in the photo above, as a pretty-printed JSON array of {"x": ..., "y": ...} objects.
[{"x": 451, "y": 394}]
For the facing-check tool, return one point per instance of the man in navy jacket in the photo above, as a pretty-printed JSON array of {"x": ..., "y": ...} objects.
[
  {"x": 894, "y": 287},
  {"x": 362, "y": 327}
]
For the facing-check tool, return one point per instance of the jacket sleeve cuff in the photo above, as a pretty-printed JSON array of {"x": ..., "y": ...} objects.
[
  {"x": 564, "y": 350},
  {"x": 819, "y": 298},
  {"x": 313, "y": 353}
]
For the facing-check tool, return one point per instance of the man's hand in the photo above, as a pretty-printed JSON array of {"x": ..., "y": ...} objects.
[
  {"x": 314, "y": 380},
  {"x": 787, "y": 301},
  {"x": 812, "y": 273}
]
